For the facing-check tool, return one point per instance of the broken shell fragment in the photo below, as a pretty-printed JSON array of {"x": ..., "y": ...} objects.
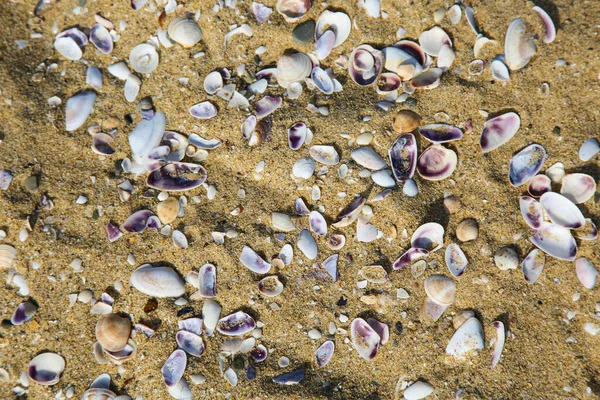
[
  {"x": 157, "y": 281},
  {"x": 368, "y": 158},
  {"x": 24, "y": 313},
  {"x": 383, "y": 178},
  {"x": 282, "y": 222},
  {"x": 68, "y": 48},
  {"x": 303, "y": 168},
  {"x": 531, "y": 211},
  {"x": 519, "y": 47},
  {"x": 409, "y": 256},
  {"x": 578, "y": 188},
  {"x": 350, "y": 213},
  {"x": 324, "y": 353},
  {"x": 78, "y": 109},
  {"x": 173, "y": 177},
  {"x": 533, "y": 265},
  {"x": 499, "y": 70},
  {"x": 290, "y": 378},
  {"x": 267, "y": 105},
  {"x": 429, "y": 79},
  {"x": 500, "y": 336},
  {"x": 586, "y": 272},
  {"x": 307, "y": 245},
  {"x": 587, "y": 232},
  {"x": 236, "y": 324},
  {"x": 418, "y": 390},
  {"x": 207, "y": 281},
  {"x": 548, "y": 24},
  {"x": 365, "y": 64},
  {"x": 251, "y": 260},
  {"x": 45, "y": 369},
  {"x": 436, "y": 163},
  {"x": 190, "y": 342},
  {"x": 429, "y": 236},
  {"x": 382, "y": 330},
  {"x": 113, "y": 332},
  {"x": 467, "y": 338},
  {"x": 589, "y": 149},
  {"x": 526, "y": 164},
  {"x": 330, "y": 265},
  {"x": 173, "y": 369},
  {"x": 336, "y": 241},
  {"x": 259, "y": 354},
  {"x": 562, "y": 211},
  {"x": 440, "y": 133},
  {"x": 364, "y": 339},
  {"x": 499, "y": 130},
  {"x": 270, "y": 286},
  {"x": 456, "y": 261},
  {"x": 292, "y": 10},
  {"x": 203, "y": 110},
  {"x": 184, "y": 31},
  {"x": 317, "y": 223},
  {"x": 143, "y": 58},
  {"x": 539, "y": 185},
  {"x": 506, "y": 258},
  {"x": 555, "y": 241},
  {"x": 325, "y": 155},
  {"x": 403, "y": 156},
  {"x": 433, "y": 40},
  {"x": 101, "y": 38},
  {"x": 373, "y": 274},
  {"x": 440, "y": 289}
]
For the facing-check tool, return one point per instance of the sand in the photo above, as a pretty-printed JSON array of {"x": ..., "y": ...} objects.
[{"x": 536, "y": 363}]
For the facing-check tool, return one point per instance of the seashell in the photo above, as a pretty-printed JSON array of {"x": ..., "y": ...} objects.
[
  {"x": 539, "y": 185},
  {"x": 555, "y": 241},
  {"x": 297, "y": 135},
  {"x": 261, "y": 133},
  {"x": 210, "y": 315},
  {"x": 78, "y": 109},
  {"x": 181, "y": 390},
  {"x": 403, "y": 156},
  {"x": 589, "y": 149},
  {"x": 193, "y": 325},
  {"x": 548, "y": 24},
  {"x": 143, "y": 58},
  {"x": 587, "y": 232},
  {"x": 24, "y": 313},
  {"x": 294, "y": 90},
  {"x": 436, "y": 163},
  {"x": 6, "y": 178},
  {"x": 440, "y": 289},
  {"x": 325, "y": 155},
  {"x": 382, "y": 330},
  {"x": 586, "y": 273},
  {"x": 365, "y": 64},
  {"x": 184, "y": 31},
  {"x": 102, "y": 144},
  {"x": 432, "y": 40},
  {"x": 190, "y": 342},
  {"x": 368, "y": 158},
  {"x": 300, "y": 207},
  {"x": 578, "y": 188},
  {"x": 533, "y": 265},
  {"x": 430, "y": 311},
  {"x": 251, "y": 260},
  {"x": 461, "y": 317},
  {"x": 45, "y": 368},
  {"x": 446, "y": 57},
  {"x": 470, "y": 14},
  {"x": 200, "y": 142},
  {"x": 259, "y": 354},
  {"x": 157, "y": 281},
  {"x": 282, "y": 222},
  {"x": 373, "y": 274},
  {"x": 526, "y": 164},
  {"x": 203, "y": 110},
  {"x": 293, "y": 68},
  {"x": 144, "y": 138},
  {"x": 321, "y": 79},
  {"x": 387, "y": 83},
  {"x": 336, "y": 241},
  {"x": 383, "y": 178},
  {"x": 119, "y": 70},
  {"x": 261, "y": 12},
  {"x": 409, "y": 256},
  {"x": 531, "y": 211},
  {"x": 562, "y": 211},
  {"x": 330, "y": 265},
  {"x": 307, "y": 245},
  {"x": 77, "y": 35},
  {"x": 98, "y": 394},
  {"x": 324, "y": 353},
  {"x": 303, "y": 168},
  {"x": 366, "y": 232},
  {"x": 324, "y": 45},
  {"x": 499, "y": 70},
  {"x": 292, "y": 10},
  {"x": 138, "y": 221},
  {"x": 317, "y": 223},
  {"x": 476, "y": 67},
  {"x": 440, "y": 133},
  {"x": 419, "y": 389},
  {"x": 68, "y": 48},
  {"x": 113, "y": 232},
  {"x": 290, "y": 378},
  {"x": 350, "y": 213},
  {"x": 338, "y": 22},
  {"x": 267, "y": 105},
  {"x": 248, "y": 126},
  {"x": 207, "y": 281},
  {"x": 236, "y": 324},
  {"x": 173, "y": 369},
  {"x": 286, "y": 254},
  {"x": 132, "y": 88},
  {"x": 7, "y": 256},
  {"x": 456, "y": 261},
  {"x": 101, "y": 38},
  {"x": 454, "y": 14},
  {"x": 467, "y": 338},
  {"x": 499, "y": 130},
  {"x": 213, "y": 82},
  {"x": 364, "y": 339},
  {"x": 167, "y": 210},
  {"x": 429, "y": 236},
  {"x": 519, "y": 48},
  {"x": 113, "y": 332},
  {"x": 506, "y": 258},
  {"x": 429, "y": 79},
  {"x": 500, "y": 337},
  {"x": 467, "y": 230},
  {"x": 406, "y": 121},
  {"x": 270, "y": 286},
  {"x": 401, "y": 62},
  {"x": 172, "y": 177}
]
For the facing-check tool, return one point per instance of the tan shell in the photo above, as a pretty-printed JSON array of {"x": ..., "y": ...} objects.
[
  {"x": 7, "y": 256},
  {"x": 461, "y": 317},
  {"x": 467, "y": 230},
  {"x": 440, "y": 289},
  {"x": 113, "y": 332},
  {"x": 293, "y": 68},
  {"x": 452, "y": 204},
  {"x": 184, "y": 31},
  {"x": 406, "y": 121},
  {"x": 167, "y": 210}
]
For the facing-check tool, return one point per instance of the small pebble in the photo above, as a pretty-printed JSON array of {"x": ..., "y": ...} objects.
[{"x": 467, "y": 230}]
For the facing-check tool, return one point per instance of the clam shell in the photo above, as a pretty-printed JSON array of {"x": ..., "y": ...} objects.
[
  {"x": 78, "y": 109},
  {"x": 409, "y": 256},
  {"x": 539, "y": 185},
  {"x": 193, "y": 325},
  {"x": 589, "y": 149},
  {"x": 181, "y": 390},
  {"x": 144, "y": 138},
  {"x": 454, "y": 14},
  {"x": 292, "y": 10},
  {"x": 364, "y": 339},
  {"x": 190, "y": 343},
  {"x": 429, "y": 79},
  {"x": 368, "y": 158},
  {"x": 456, "y": 261},
  {"x": 440, "y": 133},
  {"x": 293, "y": 68},
  {"x": 267, "y": 105},
  {"x": 555, "y": 241},
  {"x": 586, "y": 272},
  {"x": 533, "y": 265},
  {"x": 143, "y": 58},
  {"x": 282, "y": 222},
  {"x": 98, "y": 394},
  {"x": 430, "y": 311},
  {"x": 366, "y": 232},
  {"x": 251, "y": 260},
  {"x": 45, "y": 368},
  {"x": 102, "y": 144},
  {"x": 236, "y": 324},
  {"x": 325, "y": 154},
  {"x": 7, "y": 256},
  {"x": 184, "y": 31},
  {"x": 429, "y": 236},
  {"x": 338, "y": 22},
  {"x": 387, "y": 83},
  {"x": 213, "y": 82},
  {"x": 499, "y": 70},
  {"x": 324, "y": 45},
  {"x": 172, "y": 177},
  {"x": 440, "y": 289},
  {"x": 531, "y": 211},
  {"x": 6, "y": 178},
  {"x": 307, "y": 245},
  {"x": 203, "y": 110},
  {"x": 324, "y": 353},
  {"x": 383, "y": 178},
  {"x": 248, "y": 126},
  {"x": 526, "y": 164},
  {"x": 403, "y": 156},
  {"x": 350, "y": 213},
  {"x": 432, "y": 40},
  {"x": 157, "y": 281},
  {"x": 101, "y": 38},
  {"x": 173, "y": 369},
  {"x": 578, "y": 188},
  {"x": 270, "y": 286},
  {"x": 24, "y": 313},
  {"x": 68, "y": 48},
  {"x": 436, "y": 163},
  {"x": 317, "y": 223},
  {"x": 321, "y": 79},
  {"x": 290, "y": 378},
  {"x": 259, "y": 354},
  {"x": 562, "y": 211},
  {"x": 418, "y": 390},
  {"x": 519, "y": 48},
  {"x": 365, "y": 64},
  {"x": 330, "y": 265},
  {"x": 373, "y": 274},
  {"x": 587, "y": 232},
  {"x": 138, "y": 221},
  {"x": 467, "y": 338},
  {"x": 210, "y": 315},
  {"x": 286, "y": 254},
  {"x": 506, "y": 258},
  {"x": 297, "y": 135},
  {"x": 446, "y": 57},
  {"x": 207, "y": 281},
  {"x": 500, "y": 337},
  {"x": 113, "y": 332},
  {"x": 401, "y": 62},
  {"x": 499, "y": 130},
  {"x": 300, "y": 207},
  {"x": 548, "y": 24},
  {"x": 119, "y": 357},
  {"x": 382, "y": 330},
  {"x": 406, "y": 121}
]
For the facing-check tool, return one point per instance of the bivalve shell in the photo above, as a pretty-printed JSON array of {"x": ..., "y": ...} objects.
[
  {"x": 236, "y": 324},
  {"x": 499, "y": 130},
  {"x": 578, "y": 188},
  {"x": 7, "y": 256},
  {"x": 365, "y": 64},
  {"x": 429, "y": 236},
  {"x": 586, "y": 272},
  {"x": 143, "y": 58},
  {"x": 45, "y": 368},
  {"x": 455, "y": 258},
  {"x": 364, "y": 339},
  {"x": 562, "y": 211},
  {"x": 157, "y": 281},
  {"x": 184, "y": 31},
  {"x": 440, "y": 289},
  {"x": 293, "y": 68},
  {"x": 403, "y": 153},
  {"x": 555, "y": 241},
  {"x": 436, "y": 163},
  {"x": 113, "y": 332},
  {"x": 533, "y": 265},
  {"x": 526, "y": 164},
  {"x": 270, "y": 286},
  {"x": 467, "y": 338},
  {"x": 519, "y": 47},
  {"x": 292, "y": 10},
  {"x": 338, "y": 22}
]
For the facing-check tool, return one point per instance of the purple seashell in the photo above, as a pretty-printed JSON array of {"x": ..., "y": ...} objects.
[
  {"x": 440, "y": 133},
  {"x": 324, "y": 353},
  {"x": 548, "y": 24},
  {"x": 413, "y": 49},
  {"x": 46, "y": 368},
  {"x": 153, "y": 222},
  {"x": 436, "y": 163},
  {"x": 290, "y": 378},
  {"x": 539, "y": 185},
  {"x": 259, "y": 354},
  {"x": 207, "y": 281},
  {"x": 79, "y": 37},
  {"x": 455, "y": 258},
  {"x": 107, "y": 299},
  {"x": 409, "y": 256},
  {"x": 202, "y": 143},
  {"x": 429, "y": 79},
  {"x": 382, "y": 329},
  {"x": 330, "y": 265},
  {"x": 267, "y": 105},
  {"x": 6, "y": 178},
  {"x": 159, "y": 153},
  {"x": 147, "y": 114},
  {"x": 24, "y": 312},
  {"x": 204, "y": 110},
  {"x": 387, "y": 83},
  {"x": 364, "y": 339},
  {"x": 350, "y": 213},
  {"x": 562, "y": 211},
  {"x": 297, "y": 135},
  {"x": 533, "y": 265},
  {"x": 429, "y": 236},
  {"x": 555, "y": 241},
  {"x": 270, "y": 74},
  {"x": 499, "y": 130},
  {"x": 236, "y": 324},
  {"x": 300, "y": 207},
  {"x": 587, "y": 232},
  {"x": 100, "y": 37},
  {"x": 251, "y": 373},
  {"x": 173, "y": 369},
  {"x": 101, "y": 144},
  {"x": 317, "y": 223},
  {"x": 137, "y": 4},
  {"x": 261, "y": 12},
  {"x": 526, "y": 164},
  {"x": 137, "y": 222},
  {"x": 531, "y": 211},
  {"x": 190, "y": 343},
  {"x": 113, "y": 232},
  {"x": 403, "y": 157},
  {"x": 365, "y": 64},
  {"x": 251, "y": 260},
  {"x": 171, "y": 177},
  {"x": 248, "y": 126},
  {"x": 324, "y": 44},
  {"x": 193, "y": 325}
]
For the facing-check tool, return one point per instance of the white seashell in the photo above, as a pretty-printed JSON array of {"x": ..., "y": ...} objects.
[
  {"x": 410, "y": 188},
  {"x": 7, "y": 256},
  {"x": 303, "y": 168},
  {"x": 418, "y": 390},
  {"x": 324, "y": 45},
  {"x": 294, "y": 90},
  {"x": 270, "y": 286},
  {"x": 244, "y": 29},
  {"x": 456, "y": 261},
  {"x": 499, "y": 70},
  {"x": 499, "y": 130},
  {"x": 519, "y": 48},
  {"x": 68, "y": 48},
  {"x": 157, "y": 281},
  {"x": 586, "y": 273},
  {"x": 383, "y": 178},
  {"x": 338, "y": 22},
  {"x": 307, "y": 245},
  {"x": 500, "y": 337},
  {"x": 255, "y": 263},
  {"x": 286, "y": 254},
  {"x": 293, "y": 68},
  {"x": 401, "y": 63},
  {"x": 317, "y": 223},
  {"x": 429, "y": 236},
  {"x": 556, "y": 172},
  {"x": 143, "y": 58},
  {"x": 368, "y": 158},
  {"x": 45, "y": 369},
  {"x": 325, "y": 155},
  {"x": 292, "y": 10},
  {"x": 467, "y": 338},
  {"x": 562, "y": 211},
  {"x": 445, "y": 57},
  {"x": 181, "y": 390},
  {"x": 454, "y": 13},
  {"x": 282, "y": 222},
  {"x": 366, "y": 232},
  {"x": 322, "y": 80},
  {"x": 132, "y": 88},
  {"x": 119, "y": 70},
  {"x": 203, "y": 110},
  {"x": 145, "y": 137},
  {"x": 372, "y": 7},
  {"x": 93, "y": 77},
  {"x": 231, "y": 377},
  {"x": 78, "y": 109},
  {"x": 578, "y": 188},
  {"x": 213, "y": 82},
  {"x": 589, "y": 149},
  {"x": 184, "y": 31},
  {"x": 441, "y": 289},
  {"x": 548, "y": 23},
  {"x": 506, "y": 258},
  {"x": 476, "y": 67},
  {"x": 433, "y": 40},
  {"x": 211, "y": 310},
  {"x": 179, "y": 240},
  {"x": 533, "y": 265},
  {"x": 555, "y": 241}
]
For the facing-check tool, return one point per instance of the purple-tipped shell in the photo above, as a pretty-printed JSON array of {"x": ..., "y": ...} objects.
[
  {"x": 455, "y": 259},
  {"x": 500, "y": 337},
  {"x": 562, "y": 211},
  {"x": 101, "y": 144},
  {"x": 290, "y": 378},
  {"x": 207, "y": 281},
  {"x": 113, "y": 232},
  {"x": 248, "y": 126},
  {"x": 587, "y": 232},
  {"x": 499, "y": 130},
  {"x": 267, "y": 105},
  {"x": 382, "y": 329},
  {"x": 137, "y": 4},
  {"x": 414, "y": 49},
  {"x": 251, "y": 260},
  {"x": 297, "y": 135},
  {"x": 440, "y": 133},
  {"x": 24, "y": 312},
  {"x": 403, "y": 157},
  {"x": 548, "y": 24},
  {"x": 586, "y": 272},
  {"x": 429, "y": 79},
  {"x": 533, "y": 265},
  {"x": 364, "y": 339},
  {"x": 322, "y": 80},
  {"x": 387, "y": 83},
  {"x": 350, "y": 213},
  {"x": 365, "y": 64},
  {"x": 531, "y": 211},
  {"x": 74, "y": 33},
  {"x": 190, "y": 343},
  {"x": 193, "y": 325},
  {"x": 270, "y": 286},
  {"x": 539, "y": 185},
  {"x": 526, "y": 164},
  {"x": 203, "y": 110},
  {"x": 324, "y": 44},
  {"x": 100, "y": 37},
  {"x": 300, "y": 207},
  {"x": 578, "y": 188},
  {"x": 259, "y": 354},
  {"x": 429, "y": 236},
  {"x": 324, "y": 353},
  {"x": 436, "y": 163},
  {"x": 317, "y": 223},
  {"x": 330, "y": 265},
  {"x": 45, "y": 368},
  {"x": 137, "y": 222},
  {"x": 555, "y": 241},
  {"x": 236, "y": 324},
  {"x": 325, "y": 155},
  {"x": 409, "y": 256},
  {"x": 173, "y": 369},
  {"x": 172, "y": 177}
]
